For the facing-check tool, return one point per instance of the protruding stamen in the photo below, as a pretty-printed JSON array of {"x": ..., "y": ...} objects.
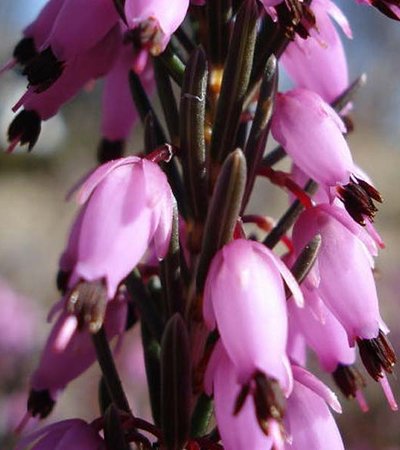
[
  {"x": 388, "y": 393},
  {"x": 151, "y": 36},
  {"x": 295, "y": 17},
  {"x": 40, "y": 403},
  {"x": 24, "y": 422},
  {"x": 8, "y": 66},
  {"x": 269, "y": 403},
  {"x": 269, "y": 400},
  {"x": 25, "y": 129},
  {"x": 23, "y": 99},
  {"x": 62, "y": 280},
  {"x": 370, "y": 190},
  {"x": 357, "y": 198},
  {"x": 241, "y": 398},
  {"x": 275, "y": 432},
  {"x": 12, "y": 145},
  {"x": 25, "y": 51},
  {"x": 88, "y": 302},
  {"x": 43, "y": 70},
  {"x": 378, "y": 355},
  {"x": 361, "y": 401},
  {"x": 349, "y": 380}
]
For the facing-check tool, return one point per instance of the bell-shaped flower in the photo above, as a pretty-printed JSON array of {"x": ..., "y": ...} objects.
[
  {"x": 154, "y": 21},
  {"x": 78, "y": 27},
  {"x": 126, "y": 207},
  {"x": 238, "y": 430},
  {"x": 34, "y": 35},
  {"x": 69, "y": 350},
  {"x": 311, "y": 133},
  {"x": 40, "y": 106},
  {"x": 342, "y": 278},
  {"x": 342, "y": 274},
  {"x": 309, "y": 422},
  {"x": 244, "y": 291},
  {"x": 319, "y": 63},
  {"x": 64, "y": 435}
]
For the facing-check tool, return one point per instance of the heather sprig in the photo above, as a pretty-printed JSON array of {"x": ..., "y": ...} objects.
[{"x": 160, "y": 239}]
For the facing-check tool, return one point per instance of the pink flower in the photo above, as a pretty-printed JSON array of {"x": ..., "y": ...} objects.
[
  {"x": 342, "y": 275},
  {"x": 154, "y": 21},
  {"x": 65, "y": 435},
  {"x": 69, "y": 351},
  {"x": 241, "y": 430},
  {"x": 89, "y": 65},
  {"x": 306, "y": 416},
  {"x": 126, "y": 207},
  {"x": 12, "y": 408},
  {"x": 244, "y": 291},
  {"x": 308, "y": 419},
  {"x": 318, "y": 63},
  {"x": 79, "y": 26},
  {"x": 34, "y": 35},
  {"x": 43, "y": 105},
  {"x": 311, "y": 133}
]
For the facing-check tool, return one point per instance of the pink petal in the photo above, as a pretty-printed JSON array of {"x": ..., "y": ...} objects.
[
  {"x": 319, "y": 62},
  {"x": 246, "y": 293},
  {"x": 40, "y": 28},
  {"x": 326, "y": 337},
  {"x": 95, "y": 178},
  {"x": 241, "y": 431},
  {"x": 140, "y": 12},
  {"x": 78, "y": 29},
  {"x": 311, "y": 133},
  {"x": 306, "y": 378},
  {"x": 286, "y": 275},
  {"x": 310, "y": 422}
]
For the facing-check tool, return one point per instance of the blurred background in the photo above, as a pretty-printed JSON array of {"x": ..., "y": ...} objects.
[{"x": 35, "y": 219}]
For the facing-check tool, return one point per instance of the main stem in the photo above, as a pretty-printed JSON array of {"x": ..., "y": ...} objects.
[{"x": 110, "y": 374}]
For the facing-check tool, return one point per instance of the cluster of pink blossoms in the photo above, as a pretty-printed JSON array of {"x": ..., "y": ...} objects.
[{"x": 160, "y": 239}]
